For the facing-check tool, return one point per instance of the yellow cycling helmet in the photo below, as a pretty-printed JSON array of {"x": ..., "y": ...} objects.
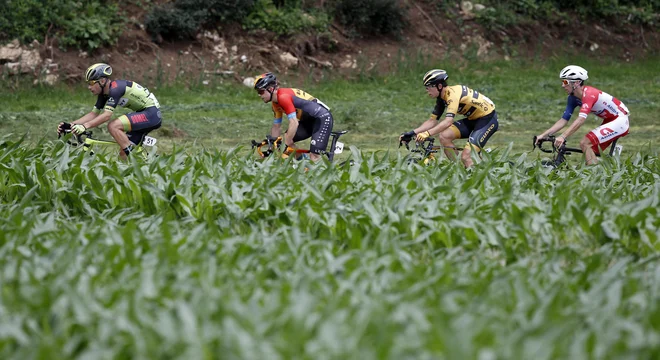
[
  {"x": 98, "y": 71},
  {"x": 435, "y": 77}
]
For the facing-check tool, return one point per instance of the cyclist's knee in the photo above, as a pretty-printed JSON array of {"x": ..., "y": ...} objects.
[
  {"x": 115, "y": 125},
  {"x": 446, "y": 138},
  {"x": 586, "y": 143}
]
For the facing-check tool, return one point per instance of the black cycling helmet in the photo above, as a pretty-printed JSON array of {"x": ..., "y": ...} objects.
[
  {"x": 97, "y": 71},
  {"x": 435, "y": 77},
  {"x": 264, "y": 81}
]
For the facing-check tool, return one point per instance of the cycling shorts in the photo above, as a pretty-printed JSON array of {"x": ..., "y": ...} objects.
[
  {"x": 602, "y": 136},
  {"x": 319, "y": 129},
  {"x": 138, "y": 124},
  {"x": 477, "y": 131}
]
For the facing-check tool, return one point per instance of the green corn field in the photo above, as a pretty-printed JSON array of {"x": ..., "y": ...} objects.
[{"x": 213, "y": 254}]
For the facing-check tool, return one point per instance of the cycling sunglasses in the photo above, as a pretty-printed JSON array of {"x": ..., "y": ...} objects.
[
  {"x": 92, "y": 82},
  {"x": 566, "y": 82},
  {"x": 261, "y": 91}
]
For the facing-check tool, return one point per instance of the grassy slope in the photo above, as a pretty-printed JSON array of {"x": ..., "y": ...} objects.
[{"x": 527, "y": 95}]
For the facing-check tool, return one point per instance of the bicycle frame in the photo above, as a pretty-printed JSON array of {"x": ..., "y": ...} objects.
[
  {"x": 273, "y": 144},
  {"x": 88, "y": 142},
  {"x": 562, "y": 151},
  {"x": 426, "y": 148}
]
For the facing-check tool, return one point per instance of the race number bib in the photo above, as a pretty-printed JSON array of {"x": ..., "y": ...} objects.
[
  {"x": 339, "y": 147},
  {"x": 149, "y": 141}
]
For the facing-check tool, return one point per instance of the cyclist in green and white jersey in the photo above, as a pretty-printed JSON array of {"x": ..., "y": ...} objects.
[{"x": 129, "y": 129}]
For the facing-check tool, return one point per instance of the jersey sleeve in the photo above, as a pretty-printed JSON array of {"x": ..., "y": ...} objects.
[
  {"x": 571, "y": 103},
  {"x": 277, "y": 114},
  {"x": 453, "y": 100},
  {"x": 100, "y": 103},
  {"x": 285, "y": 101},
  {"x": 588, "y": 100},
  {"x": 438, "y": 109},
  {"x": 117, "y": 90}
]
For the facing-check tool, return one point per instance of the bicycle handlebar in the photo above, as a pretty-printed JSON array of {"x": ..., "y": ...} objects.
[
  {"x": 273, "y": 143},
  {"x": 550, "y": 139}
]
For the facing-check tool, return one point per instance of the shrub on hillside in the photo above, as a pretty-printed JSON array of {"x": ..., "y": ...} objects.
[
  {"x": 371, "y": 17},
  {"x": 286, "y": 19},
  {"x": 170, "y": 22},
  {"x": 183, "y": 18},
  {"x": 86, "y": 25},
  {"x": 500, "y": 14}
]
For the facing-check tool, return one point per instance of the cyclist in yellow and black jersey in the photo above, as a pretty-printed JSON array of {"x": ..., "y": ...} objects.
[
  {"x": 129, "y": 129},
  {"x": 479, "y": 124}
]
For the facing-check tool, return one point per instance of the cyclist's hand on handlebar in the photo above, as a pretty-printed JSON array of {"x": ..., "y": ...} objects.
[
  {"x": 538, "y": 138},
  {"x": 62, "y": 127},
  {"x": 423, "y": 136},
  {"x": 78, "y": 129},
  {"x": 559, "y": 141},
  {"x": 407, "y": 136}
]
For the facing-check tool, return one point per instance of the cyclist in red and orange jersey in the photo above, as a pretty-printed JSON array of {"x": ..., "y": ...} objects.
[
  {"x": 129, "y": 129},
  {"x": 308, "y": 116},
  {"x": 479, "y": 124},
  {"x": 590, "y": 100}
]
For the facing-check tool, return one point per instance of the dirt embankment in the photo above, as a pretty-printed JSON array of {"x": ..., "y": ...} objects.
[{"x": 233, "y": 54}]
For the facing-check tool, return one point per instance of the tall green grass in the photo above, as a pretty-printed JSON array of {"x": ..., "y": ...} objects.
[
  {"x": 209, "y": 254},
  {"x": 375, "y": 107}
]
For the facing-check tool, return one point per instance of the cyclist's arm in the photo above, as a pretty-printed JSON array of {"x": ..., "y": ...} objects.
[
  {"x": 285, "y": 101},
  {"x": 452, "y": 100},
  {"x": 427, "y": 125},
  {"x": 574, "y": 127},
  {"x": 554, "y": 128},
  {"x": 99, "y": 119},
  {"x": 276, "y": 130},
  {"x": 444, "y": 124},
  {"x": 85, "y": 118},
  {"x": 588, "y": 99},
  {"x": 291, "y": 130}
]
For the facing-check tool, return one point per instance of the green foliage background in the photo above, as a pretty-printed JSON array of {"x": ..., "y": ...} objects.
[
  {"x": 79, "y": 24},
  {"x": 96, "y": 23}
]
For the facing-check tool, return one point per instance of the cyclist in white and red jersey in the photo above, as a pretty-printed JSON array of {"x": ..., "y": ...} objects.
[
  {"x": 308, "y": 116},
  {"x": 129, "y": 129},
  {"x": 613, "y": 112}
]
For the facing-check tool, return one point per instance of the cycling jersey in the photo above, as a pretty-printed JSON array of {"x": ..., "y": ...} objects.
[
  {"x": 295, "y": 102},
  {"x": 613, "y": 112},
  {"x": 459, "y": 99},
  {"x": 602, "y": 104},
  {"x": 127, "y": 94}
]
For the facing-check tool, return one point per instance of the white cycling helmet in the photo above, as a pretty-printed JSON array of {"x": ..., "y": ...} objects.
[{"x": 573, "y": 72}]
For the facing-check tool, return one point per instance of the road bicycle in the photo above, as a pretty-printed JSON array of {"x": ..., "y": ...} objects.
[
  {"x": 424, "y": 151},
  {"x": 270, "y": 145},
  {"x": 89, "y": 143},
  {"x": 560, "y": 153}
]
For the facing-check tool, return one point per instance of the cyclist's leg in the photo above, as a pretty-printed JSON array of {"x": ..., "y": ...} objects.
[
  {"x": 483, "y": 129},
  {"x": 601, "y": 137},
  {"x": 458, "y": 130},
  {"x": 321, "y": 136},
  {"x": 132, "y": 127},
  {"x": 304, "y": 131}
]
